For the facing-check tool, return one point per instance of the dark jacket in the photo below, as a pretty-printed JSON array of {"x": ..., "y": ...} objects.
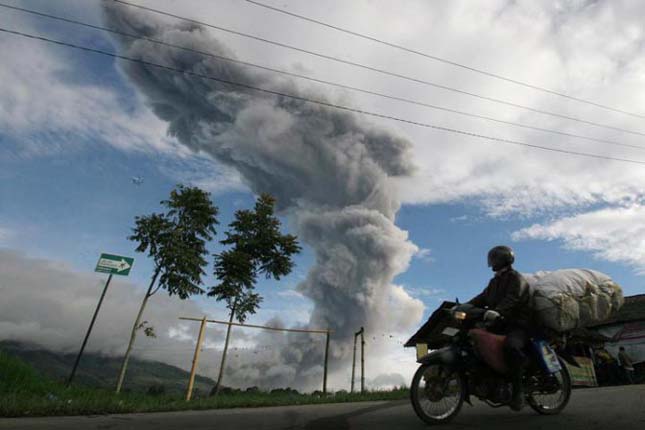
[{"x": 508, "y": 294}]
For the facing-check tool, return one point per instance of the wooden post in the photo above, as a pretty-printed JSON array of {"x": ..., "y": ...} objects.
[
  {"x": 362, "y": 360},
  {"x": 326, "y": 360},
  {"x": 230, "y": 323},
  {"x": 193, "y": 369},
  {"x": 353, "y": 362}
]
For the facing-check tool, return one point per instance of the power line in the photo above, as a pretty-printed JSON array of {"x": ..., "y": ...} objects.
[
  {"x": 320, "y": 81},
  {"x": 442, "y": 60},
  {"x": 318, "y": 102},
  {"x": 381, "y": 71}
]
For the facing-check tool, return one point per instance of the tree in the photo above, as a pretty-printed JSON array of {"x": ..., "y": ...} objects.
[
  {"x": 176, "y": 241},
  {"x": 256, "y": 248}
]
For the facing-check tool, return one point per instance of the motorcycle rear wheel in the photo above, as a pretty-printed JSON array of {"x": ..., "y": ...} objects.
[
  {"x": 544, "y": 405},
  {"x": 437, "y": 393}
]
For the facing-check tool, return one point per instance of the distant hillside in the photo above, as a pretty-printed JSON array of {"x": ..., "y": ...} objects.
[{"x": 100, "y": 371}]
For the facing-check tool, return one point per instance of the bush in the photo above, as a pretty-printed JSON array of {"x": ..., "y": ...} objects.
[
  {"x": 288, "y": 390},
  {"x": 226, "y": 391},
  {"x": 156, "y": 390}
]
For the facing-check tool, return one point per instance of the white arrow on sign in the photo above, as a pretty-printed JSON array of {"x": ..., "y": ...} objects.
[{"x": 120, "y": 266}]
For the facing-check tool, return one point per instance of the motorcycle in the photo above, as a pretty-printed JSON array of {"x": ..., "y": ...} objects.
[{"x": 471, "y": 363}]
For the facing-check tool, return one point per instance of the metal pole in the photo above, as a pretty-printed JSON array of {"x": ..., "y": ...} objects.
[
  {"x": 353, "y": 362},
  {"x": 89, "y": 330},
  {"x": 326, "y": 359},
  {"x": 193, "y": 369},
  {"x": 362, "y": 361}
]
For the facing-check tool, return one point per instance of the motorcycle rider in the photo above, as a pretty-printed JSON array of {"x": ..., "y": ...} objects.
[{"x": 507, "y": 295}]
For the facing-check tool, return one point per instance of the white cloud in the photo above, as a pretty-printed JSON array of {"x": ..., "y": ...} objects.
[
  {"x": 49, "y": 106},
  {"x": 290, "y": 294},
  {"x": 204, "y": 172},
  {"x": 559, "y": 48},
  {"x": 460, "y": 218},
  {"x": 613, "y": 234},
  {"x": 424, "y": 254},
  {"x": 425, "y": 292},
  {"x": 388, "y": 380}
]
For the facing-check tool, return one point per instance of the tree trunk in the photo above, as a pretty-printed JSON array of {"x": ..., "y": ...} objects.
[
  {"x": 221, "y": 368},
  {"x": 133, "y": 335}
]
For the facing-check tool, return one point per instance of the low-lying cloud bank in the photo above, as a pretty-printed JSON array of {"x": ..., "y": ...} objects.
[{"x": 47, "y": 303}]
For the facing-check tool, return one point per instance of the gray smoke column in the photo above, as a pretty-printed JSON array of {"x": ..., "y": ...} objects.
[{"x": 328, "y": 169}]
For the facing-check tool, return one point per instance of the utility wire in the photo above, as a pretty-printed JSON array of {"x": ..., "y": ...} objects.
[
  {"x": 319, "y": 81},
  {"x": 318, "y": 102},
  {"x": 381, "y": 71},
  {"x": 442, "y": 60}
]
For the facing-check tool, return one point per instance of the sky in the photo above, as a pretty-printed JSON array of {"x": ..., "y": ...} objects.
[{"x": 84, "y": 149}]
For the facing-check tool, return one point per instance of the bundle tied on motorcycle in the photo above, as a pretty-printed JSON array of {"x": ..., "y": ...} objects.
[{"x": 571, "y": 298}]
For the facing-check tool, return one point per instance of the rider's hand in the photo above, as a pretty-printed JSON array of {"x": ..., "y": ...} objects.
[{"x": 491, "y": 315}]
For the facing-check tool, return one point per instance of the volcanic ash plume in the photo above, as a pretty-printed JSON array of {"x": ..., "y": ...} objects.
[{"x": 328, "y": 169}]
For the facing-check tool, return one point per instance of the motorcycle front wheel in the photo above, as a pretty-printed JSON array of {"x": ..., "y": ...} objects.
[
  {"x": 553, "y": 397},
  {"x": 437, "y": 393}
]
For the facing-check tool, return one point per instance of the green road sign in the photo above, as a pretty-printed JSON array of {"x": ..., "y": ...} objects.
[{"x": 114, "y": 264}]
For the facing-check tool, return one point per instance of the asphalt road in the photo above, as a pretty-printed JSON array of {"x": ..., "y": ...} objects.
[{"x": 613, "y": 408}]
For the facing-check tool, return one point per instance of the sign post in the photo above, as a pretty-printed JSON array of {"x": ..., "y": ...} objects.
[{"x": 113, "y": 265}]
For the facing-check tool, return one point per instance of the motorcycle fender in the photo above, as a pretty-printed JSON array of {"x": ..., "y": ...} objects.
[{"x": 447, "y": 355}]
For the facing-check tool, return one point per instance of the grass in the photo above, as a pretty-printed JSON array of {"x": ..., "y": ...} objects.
[{"x": 24, "y": 392}]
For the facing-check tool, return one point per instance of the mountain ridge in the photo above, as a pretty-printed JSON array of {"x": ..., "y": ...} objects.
[{"x": 100, "y": 371}]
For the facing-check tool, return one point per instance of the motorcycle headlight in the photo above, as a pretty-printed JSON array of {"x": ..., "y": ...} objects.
[{"x": 458, "y": 315}]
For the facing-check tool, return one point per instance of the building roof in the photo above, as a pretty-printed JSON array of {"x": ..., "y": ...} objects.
[{"x": 632, "y": 310}]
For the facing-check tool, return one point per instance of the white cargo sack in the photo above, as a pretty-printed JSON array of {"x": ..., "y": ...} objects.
[{"x": 570, "y": 298}]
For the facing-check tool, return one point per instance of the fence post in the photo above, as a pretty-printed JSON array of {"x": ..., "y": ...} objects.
[
  {"x": 326, "y": 359},
  {"x": 193, "y": 369},
  {"x": 354, "y": 362},
  {"x": 362, "y": 360}
]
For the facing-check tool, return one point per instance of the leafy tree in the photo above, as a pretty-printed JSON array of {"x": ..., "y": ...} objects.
[
  {"x": 176, "y": 241},
  {"x": 256, "y": 248}
]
